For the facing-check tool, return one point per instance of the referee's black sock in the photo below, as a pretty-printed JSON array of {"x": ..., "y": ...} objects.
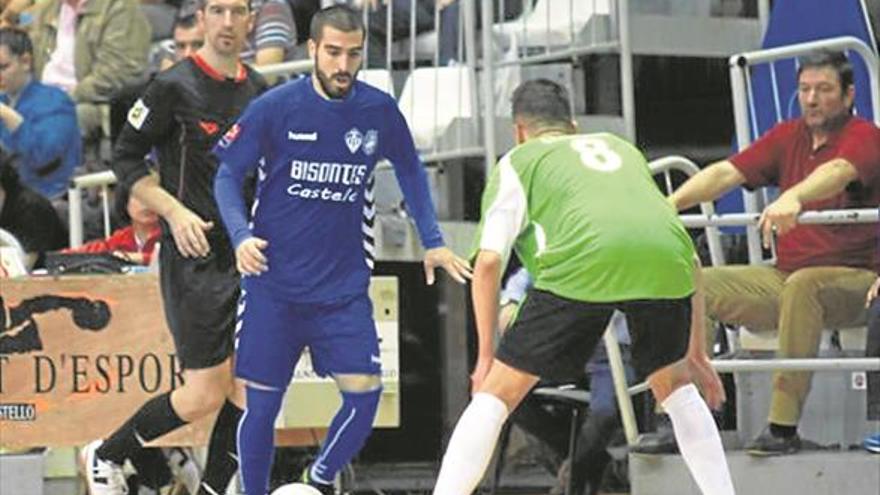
[
  {"x": 222, "y": 451},
  {"x": 153, "y": 419}
]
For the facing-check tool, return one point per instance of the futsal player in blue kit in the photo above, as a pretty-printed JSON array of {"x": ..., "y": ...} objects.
[{"x": 314, "y": 143}]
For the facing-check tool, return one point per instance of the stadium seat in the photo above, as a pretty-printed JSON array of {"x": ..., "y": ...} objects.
[
  {"x": 432, "y": 98},
  {"x": 380, "y": 78},
  {"x": 552, "y": 22}
]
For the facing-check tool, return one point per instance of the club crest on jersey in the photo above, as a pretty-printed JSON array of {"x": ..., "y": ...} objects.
[
  {"x": 230, "y": 136},
  {"x": 371, "y": 140},
  {"x": 354, "y": 139}
]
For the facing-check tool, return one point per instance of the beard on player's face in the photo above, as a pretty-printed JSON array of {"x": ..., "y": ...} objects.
[{"x": 336, "y": 85}]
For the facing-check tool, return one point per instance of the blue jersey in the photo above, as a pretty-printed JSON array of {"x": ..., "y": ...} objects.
[{"x": 314, "y": 158}]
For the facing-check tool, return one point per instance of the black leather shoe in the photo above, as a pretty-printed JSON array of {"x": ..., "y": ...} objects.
[
  {"x": 765, "y": 444},
  {"x": 660, "y": 442}
]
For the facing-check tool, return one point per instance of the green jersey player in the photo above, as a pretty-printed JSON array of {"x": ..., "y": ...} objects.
[{"x": 584, "y": 215}]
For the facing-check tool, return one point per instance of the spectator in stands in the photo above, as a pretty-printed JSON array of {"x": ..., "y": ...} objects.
[
  {"x": 91, "y": 49},
  {"x": 188, "y": 37},
  {"x": 136, "y": 241},
  {"x": 273, "y": 37},
  {"x": 11, "y": 11},
  {"x": 872, "y": 349},
  {"x": 37, "y": 122},
  {"x": 28, "y": 216},
  {"x": 826, "y": 159}
]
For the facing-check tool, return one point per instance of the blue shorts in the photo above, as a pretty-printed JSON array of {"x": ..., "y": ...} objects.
[{"x": 271, "y": 334}]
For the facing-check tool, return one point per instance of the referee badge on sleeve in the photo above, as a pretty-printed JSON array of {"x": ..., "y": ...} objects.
[{"x": 137, "y": 114}]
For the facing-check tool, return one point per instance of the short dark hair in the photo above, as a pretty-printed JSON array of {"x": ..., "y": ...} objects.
[
  {"x": 16, "y": 41},
  {"x": 542, "y": 103},
  {"x": 341, "y": 17},
  {"x": 184, "y": 21},
  {"x": 828, "y": 58}
]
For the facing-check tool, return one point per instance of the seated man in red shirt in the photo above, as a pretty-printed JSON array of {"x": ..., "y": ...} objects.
[
  {"x": 826, "y": 159},
  {"x": 134, "y": 243}
]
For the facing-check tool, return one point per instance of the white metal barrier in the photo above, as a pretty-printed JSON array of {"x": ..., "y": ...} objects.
[
  {"x": 74, "y": 198},
  {"x": 710, "y": 221},
  {"x": 729, "y": 366}
]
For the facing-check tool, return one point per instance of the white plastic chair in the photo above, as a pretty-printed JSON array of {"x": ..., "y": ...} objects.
[
  {"x": 379, "y": 78},
  {"x": 432, "y": 98},
  {"x": 552, "y": 22}
]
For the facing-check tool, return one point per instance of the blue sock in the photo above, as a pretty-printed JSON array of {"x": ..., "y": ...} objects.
[
  {"x": 256, "y": 441},
  {"x": 347, "y": 434}
]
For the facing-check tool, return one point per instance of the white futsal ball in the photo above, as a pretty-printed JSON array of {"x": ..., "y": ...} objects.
[{"x": 296, "y": 489}]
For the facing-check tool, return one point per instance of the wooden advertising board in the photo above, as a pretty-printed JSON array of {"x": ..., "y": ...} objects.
[{"x": 80, "y": 354}]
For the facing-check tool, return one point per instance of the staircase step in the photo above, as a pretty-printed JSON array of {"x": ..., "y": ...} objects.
[{"x": 805, "y": 473}]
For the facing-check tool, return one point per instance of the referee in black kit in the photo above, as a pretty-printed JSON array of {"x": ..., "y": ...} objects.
[{"x": 183, "y": 113}]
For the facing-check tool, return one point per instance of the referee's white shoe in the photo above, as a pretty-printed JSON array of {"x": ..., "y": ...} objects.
[{"x": 102, "y": 477}]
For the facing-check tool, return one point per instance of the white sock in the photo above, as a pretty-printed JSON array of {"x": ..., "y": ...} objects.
[
  {"x": 698, "y": 440},
  {"x": 471, "y": 445}
]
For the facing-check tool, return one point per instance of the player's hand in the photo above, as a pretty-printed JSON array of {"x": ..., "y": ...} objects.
[
  {"x": 189, "y": 230},
  {"x": 779, "y": 217},
  {"x": 481, "y": 370},
  {"x": 872, "y": 292},
  {"x": 706, "y": 379},
  {"x": 249, "y": 257},
  {"x": 457, "y": 268}
]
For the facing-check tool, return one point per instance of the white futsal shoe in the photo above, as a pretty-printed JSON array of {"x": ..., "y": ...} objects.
[{"x": 102, "y": 477}]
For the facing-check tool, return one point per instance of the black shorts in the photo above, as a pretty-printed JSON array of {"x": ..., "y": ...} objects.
[
  {"x": 554, "y": 337},
  {"x": 200, "y": 297}
]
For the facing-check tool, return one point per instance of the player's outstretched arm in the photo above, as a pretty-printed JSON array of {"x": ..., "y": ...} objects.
[
  {"x": 702, "y": 372},
  {"x": 187, "y": 228},
  {"x": 458, "y": 268}
]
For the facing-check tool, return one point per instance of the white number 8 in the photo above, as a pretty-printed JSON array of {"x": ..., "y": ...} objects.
[{"x": 596, "y": 154}]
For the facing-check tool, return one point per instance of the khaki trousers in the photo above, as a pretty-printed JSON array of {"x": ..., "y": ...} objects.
[{"x": 799, "y": 305}]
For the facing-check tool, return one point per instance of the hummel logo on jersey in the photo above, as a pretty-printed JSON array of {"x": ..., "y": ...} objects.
[
  {"x": 302, "y": 136},
  {"x": 353, "y": 139}
]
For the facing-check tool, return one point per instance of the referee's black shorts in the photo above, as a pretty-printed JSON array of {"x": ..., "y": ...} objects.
[
  {"x": 200, "y": 297},
  {"x": 554, "y": 337}
]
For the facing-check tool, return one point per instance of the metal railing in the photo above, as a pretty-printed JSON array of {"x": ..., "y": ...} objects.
[
  {"x": 684, "y": 165},
  {"x": 710, "y": 221},
  {"x": 74, "y": 197}
]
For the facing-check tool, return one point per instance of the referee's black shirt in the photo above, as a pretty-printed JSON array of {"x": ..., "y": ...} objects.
[{"x": 182, "y": 114}]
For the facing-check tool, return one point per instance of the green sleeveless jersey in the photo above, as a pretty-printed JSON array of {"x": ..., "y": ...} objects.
[{"x": 586, "y": 218}]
